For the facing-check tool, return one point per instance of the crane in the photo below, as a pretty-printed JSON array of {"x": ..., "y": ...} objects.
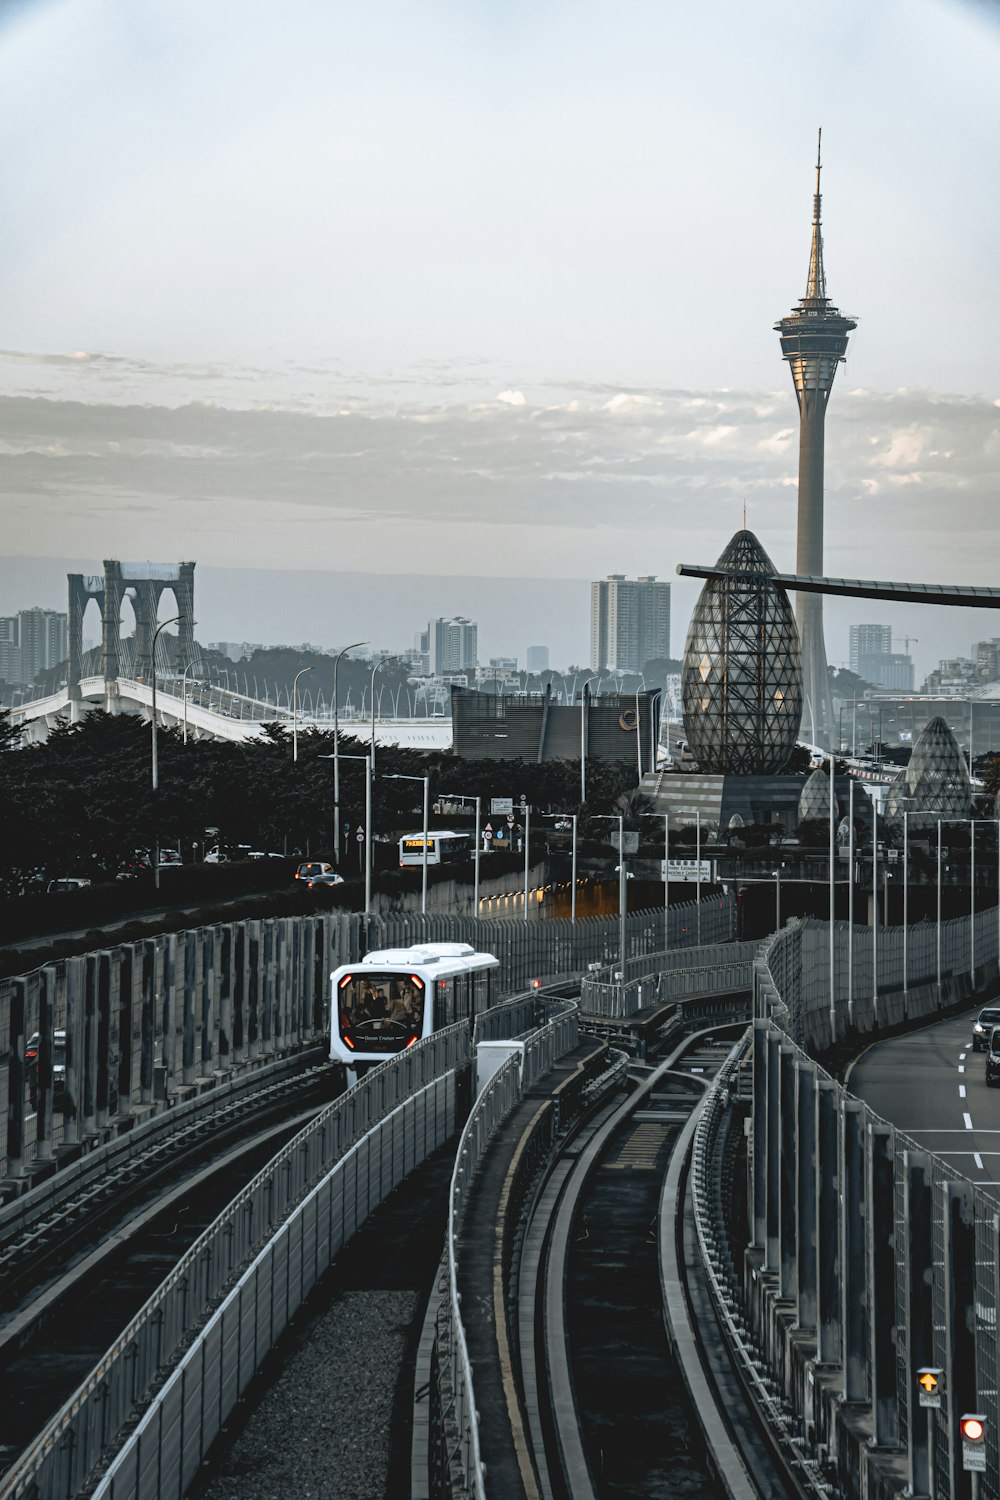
[{"x": 906, "y": 642}]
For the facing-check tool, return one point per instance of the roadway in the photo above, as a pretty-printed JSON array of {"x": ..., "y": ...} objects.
[{"x": 931, "y": 1085}]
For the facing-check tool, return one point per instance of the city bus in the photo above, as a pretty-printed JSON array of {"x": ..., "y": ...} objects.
[{"x": 443, "y": 847}]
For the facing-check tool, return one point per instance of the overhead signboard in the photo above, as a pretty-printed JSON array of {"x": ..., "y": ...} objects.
[
  {"x": 685, "y": 869},
  {"x": 501, "y": 805}
]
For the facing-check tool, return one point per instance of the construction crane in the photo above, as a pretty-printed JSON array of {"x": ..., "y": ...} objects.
[{"x": 906, "y": 642}]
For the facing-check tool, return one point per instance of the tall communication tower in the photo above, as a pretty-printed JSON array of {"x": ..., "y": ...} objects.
[{"x": 814, "y": 342}]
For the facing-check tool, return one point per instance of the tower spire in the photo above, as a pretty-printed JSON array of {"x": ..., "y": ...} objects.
[{"x": 816, "y": 282}]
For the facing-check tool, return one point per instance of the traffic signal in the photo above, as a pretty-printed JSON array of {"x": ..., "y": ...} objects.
[{"x": 972, "y": 1427}]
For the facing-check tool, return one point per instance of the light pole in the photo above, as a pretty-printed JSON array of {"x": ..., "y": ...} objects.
[
  {"x": 184, "y": 698},
  {"x": 583, "y": 736},
  {"x": 697, "y": 869},
  {"x": 336, "y": 751},
  {"x": 427, "y": 782},
  {"x": 906, "y": 905},
  {"x": 174, "y": 619},
  {"x": 295, "y": 711},
  {"x": 573, "y": 816},
  {"x": 850, "y": 902},
  {"x": 622, "y": 885},
  {"x": 833, "y": 899},
  {"x": 527, "y": 841},
  {"x": 777, "y": 899},
  {"x": 463, "y": 797},
  {"x": 375, "y": 668},
  {"x": 874, "y": 913}
]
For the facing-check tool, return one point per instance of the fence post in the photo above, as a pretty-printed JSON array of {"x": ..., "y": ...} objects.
[
  {"x": 253, "y": 988},
  {"x": 102, "y": 1081},
  {"x": 129, "y": 975},
  {"x": 90, "y": 1045},
  {"x": 805, "y": 1191},
  {"x": 227, "y": 963},
  {"x": 772, "y": 1242},
  {"x": 47, "y": 988},
  {"x": 147, "y": 1022},
  {"x": 853, "y": 1260},
  {"x": 759, "y": 1158},
  {"x": 208, "y": 1006},
  {"x": 959, "y": 1284},
  {"x": 239, "y": 990},
  {"x": 169, "y": 1011},
  {"x": 828, "y": 1233},
  {"x": 190, "y": 971},
  {"x": 266, "y": 991},
  {"x": 915, "y": 1244},
  {"x": 882, "y": 1284},
  {"x": 787, "y": 1147},
  {"x": 74, "y": 1050},
  {"x": 15, "y": 1077}
]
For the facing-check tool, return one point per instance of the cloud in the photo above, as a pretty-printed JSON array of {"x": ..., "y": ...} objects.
[{"x": 512, "y": 398}]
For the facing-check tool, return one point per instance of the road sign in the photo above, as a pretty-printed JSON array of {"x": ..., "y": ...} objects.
[
  {"x": 929, "y": 1381},
  {"x": 487, "y": 834},
  {"x": 510, "y": 820},
  {"x": 501, "y": 805},
  {"x": 488, "y": 828},
  {"x": 360, "y": 835},
  {"x": 686, "y": 869}
]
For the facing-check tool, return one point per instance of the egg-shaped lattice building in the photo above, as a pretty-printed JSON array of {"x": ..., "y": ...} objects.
[
  {"x": 935, "y": 784},
  {"x": 742, "y": 673},
  {"x": 815, "y": 799}
]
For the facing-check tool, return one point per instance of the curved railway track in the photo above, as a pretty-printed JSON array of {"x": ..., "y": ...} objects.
[{"x": 75, "y": 1269}]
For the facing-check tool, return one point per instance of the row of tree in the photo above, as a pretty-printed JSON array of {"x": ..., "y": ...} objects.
[{"x": 81, "y": 803}]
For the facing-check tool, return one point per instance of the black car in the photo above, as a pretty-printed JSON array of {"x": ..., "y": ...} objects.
[
  {"x": 993, "y": 1057},
  {"x": 988, "y": 1018}
]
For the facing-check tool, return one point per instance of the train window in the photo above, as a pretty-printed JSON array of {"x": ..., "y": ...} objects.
[{"x": 380, "y": 1012}]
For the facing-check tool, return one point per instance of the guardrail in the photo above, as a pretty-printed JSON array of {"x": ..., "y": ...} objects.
[
  {"x": 59, "y": 1462},
  {"x": 656, "y": 978}
]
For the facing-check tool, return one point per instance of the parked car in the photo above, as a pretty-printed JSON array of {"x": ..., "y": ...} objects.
[
  {"x": 988, "y": 1018},
  {"x": 66, "y": 883},
  {"x": 318, "y": 881},
  {"x": 993, "y": 1057},
  {"x": 170, "y": 857},
  {"x": 313, "y": 867}
]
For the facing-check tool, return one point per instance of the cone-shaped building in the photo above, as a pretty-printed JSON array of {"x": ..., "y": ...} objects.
[
  {"x": 742, "y": 677},
  {"x": 815, "y": 799},
  {"x": 935, "y": 784}
]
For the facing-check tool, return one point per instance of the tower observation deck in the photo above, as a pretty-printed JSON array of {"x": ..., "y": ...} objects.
[{"x": 814, "y": 342}]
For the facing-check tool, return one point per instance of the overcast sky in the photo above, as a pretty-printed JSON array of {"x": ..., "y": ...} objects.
[{"x": 488, "y": 289}]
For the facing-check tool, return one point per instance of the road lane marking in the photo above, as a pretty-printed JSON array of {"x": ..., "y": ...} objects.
[
  {"x": 968, "y": 1121},
  {"x": 961, "y": 1090},
  {"x": 961, "y": 1057},
  {"x": 978, "y": 1160},
  {"x": 961, "y": 1067}
]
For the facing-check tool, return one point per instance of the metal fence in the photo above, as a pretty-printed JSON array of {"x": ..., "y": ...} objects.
[
  {"x": 656, "y": 978},
  {"x": 241, "y": 1323},
  {"x": 880, "y": 976},
  {"x": 889, "y": 1255},
  {"x": 504, "y": 1090}
]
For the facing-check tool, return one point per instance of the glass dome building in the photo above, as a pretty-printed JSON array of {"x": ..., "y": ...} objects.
[
  {"x": 741, "y": 680},
  {"x": 815, "y": 800},
  {"x": 936, "y": 782}
]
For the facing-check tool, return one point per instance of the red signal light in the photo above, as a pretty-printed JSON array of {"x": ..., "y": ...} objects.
[{"x": 972, "y": 1428}]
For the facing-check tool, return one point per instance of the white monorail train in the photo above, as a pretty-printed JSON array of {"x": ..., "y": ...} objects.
[{"x": 395, "y": 996}]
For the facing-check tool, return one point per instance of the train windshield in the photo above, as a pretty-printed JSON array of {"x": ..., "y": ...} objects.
[{"x": 380, "y": 1012}]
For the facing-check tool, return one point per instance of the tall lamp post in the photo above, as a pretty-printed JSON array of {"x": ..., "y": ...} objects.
[
  {"x": 583, "y": 736},
  {"x": 295, "y": 711},
  {"x": 622, "y": 885},
  {"x": 174, "y": 619},
  {"x": 427, "y": 782},
  {"x": 464, "y": 797},
  {"x": 367, "y": 830},
  {"x": 374, "y": 670},
  {"x": 336, "y": 751}
]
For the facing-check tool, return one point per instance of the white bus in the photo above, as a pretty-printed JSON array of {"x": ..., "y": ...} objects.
[{"x": 443, "y": 847}]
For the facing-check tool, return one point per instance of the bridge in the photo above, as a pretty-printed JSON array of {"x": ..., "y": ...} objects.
[
  {"x": 203, "y": 710},
  {"x": 828, "y": 1325}
]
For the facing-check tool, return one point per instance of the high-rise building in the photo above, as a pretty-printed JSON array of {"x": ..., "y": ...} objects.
[
  {"x": 453, "y": 645},
  {"x": 629, "y": 622},
  {"x": 537, "y": 659},
  {"x": 43, "y": 639},
  {"x": 869, "y": 640},
  {"x": 814, "y": 342},
  {"x": 10, "y": 651}
]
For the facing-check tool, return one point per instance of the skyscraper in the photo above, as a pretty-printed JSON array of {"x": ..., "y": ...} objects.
[
  {"x": 452, "y": 645},
  {"x": 43, "y": 640},
  {"x": 814, "y": 342},
  {"x": 629, "y": 622},
  {"x": 868, "y": 640}
]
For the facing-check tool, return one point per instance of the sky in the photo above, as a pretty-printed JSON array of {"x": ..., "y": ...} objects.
[{"x": 460, "y": 292}]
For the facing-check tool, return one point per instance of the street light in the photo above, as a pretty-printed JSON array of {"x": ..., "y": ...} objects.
[
  {"x": 463, "y": 797},
  {"x": 174, "y": 620},
  {"x": 374, "y": 670},
  {"x": 583, "y": 736},
  {"x": 427, "y": 782},
  {"x": 184, "y": 697},
  {"x": 336, "y": 750},
  {"x": 367, "y": 830},
  {"x": 622, "y": 887},
  {"x": 295, "y": 712}
]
